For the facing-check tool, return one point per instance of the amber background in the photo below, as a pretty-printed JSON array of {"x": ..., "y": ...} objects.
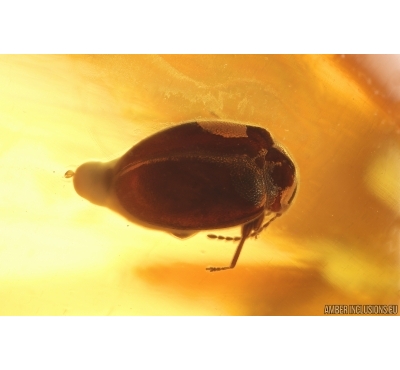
[{"x": 61, "y": 255}]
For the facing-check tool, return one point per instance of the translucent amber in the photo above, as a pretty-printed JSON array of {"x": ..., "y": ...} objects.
[{"x": 337, "y": 244}]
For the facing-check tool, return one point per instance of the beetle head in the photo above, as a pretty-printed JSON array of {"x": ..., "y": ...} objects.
[{"x": 280, "y": 179}]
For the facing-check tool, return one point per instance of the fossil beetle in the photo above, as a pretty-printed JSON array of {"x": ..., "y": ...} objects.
[{"x": 196, "y": 176}]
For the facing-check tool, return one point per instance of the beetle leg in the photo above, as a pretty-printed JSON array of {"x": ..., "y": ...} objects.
[
  {"x": 257, "y": 226},
  {"x": 257, "y": 231},
  {"x": 246, "y": 230}
]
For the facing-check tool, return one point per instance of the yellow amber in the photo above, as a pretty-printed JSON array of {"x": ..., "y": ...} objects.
[{"x": 338, "y": 244}]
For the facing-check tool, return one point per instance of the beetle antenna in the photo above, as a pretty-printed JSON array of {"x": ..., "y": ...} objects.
[{"x": 220, "y": 237}]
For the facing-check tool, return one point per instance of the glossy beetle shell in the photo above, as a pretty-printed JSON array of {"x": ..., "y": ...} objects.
[{"x": 195, "y": 176}]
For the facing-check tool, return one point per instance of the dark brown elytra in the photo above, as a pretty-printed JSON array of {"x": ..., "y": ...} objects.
[{"x": 203, "y": 176}]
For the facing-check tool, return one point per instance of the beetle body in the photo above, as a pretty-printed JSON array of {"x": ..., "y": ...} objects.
[{"x": 195, "y": 176}]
